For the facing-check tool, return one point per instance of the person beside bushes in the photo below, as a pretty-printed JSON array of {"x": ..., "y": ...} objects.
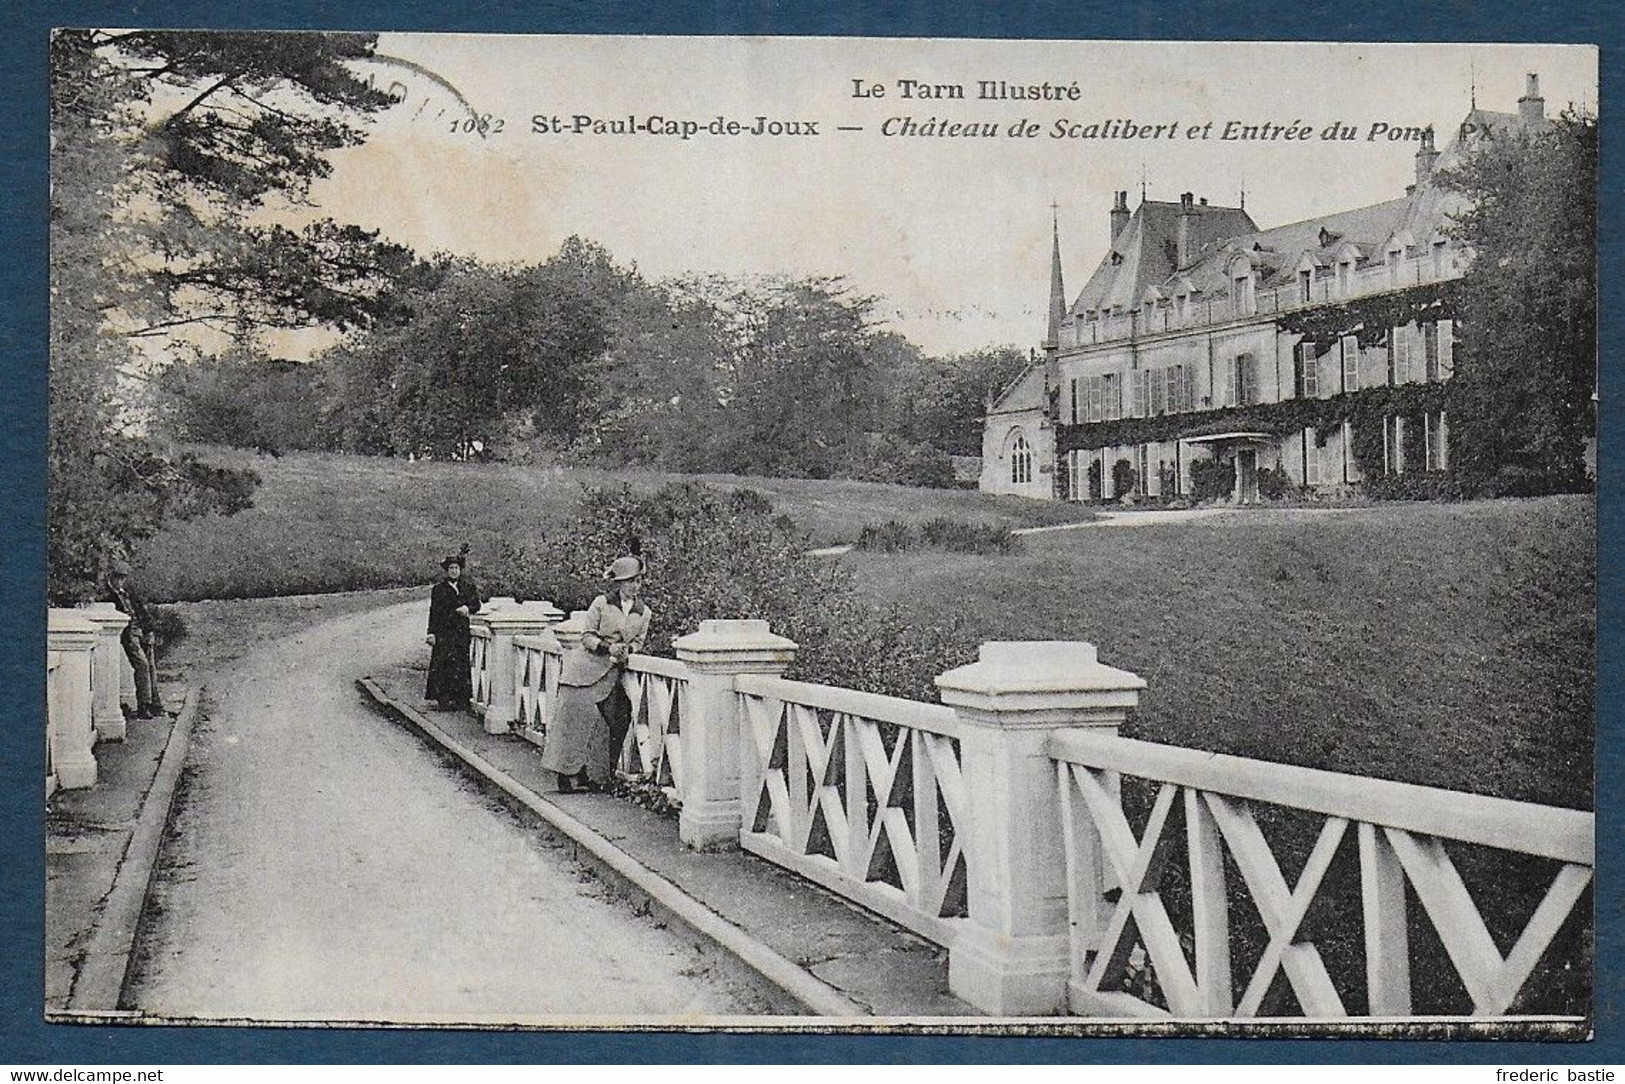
[
  {"x": 139, "y": 640},
  {"x": 453, "y": 600},
  {"x": 594, "y": 713}
]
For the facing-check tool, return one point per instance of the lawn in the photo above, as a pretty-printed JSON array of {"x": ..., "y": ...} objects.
[
  {"x": 1451, "y": 645},
  {"x": 325, "y": 523},
  {"x": 1444, "y": 645}
]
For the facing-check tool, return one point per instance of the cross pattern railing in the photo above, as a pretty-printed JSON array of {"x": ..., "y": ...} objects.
[
  {"x": 537, "y": 662},
  {"x": 1399, "y": 837},
  {"x": 860, "y": 793},
  {"x": 653, "y": 750},
  {"x": 479, "y": 664}
]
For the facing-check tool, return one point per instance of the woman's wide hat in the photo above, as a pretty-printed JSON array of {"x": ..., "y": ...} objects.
[
  {"x": 624, "y": 568},
  {"x": 460, "y": 558}
]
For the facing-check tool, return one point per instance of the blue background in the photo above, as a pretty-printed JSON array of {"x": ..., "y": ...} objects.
[{"x": 25, "y": 1038}]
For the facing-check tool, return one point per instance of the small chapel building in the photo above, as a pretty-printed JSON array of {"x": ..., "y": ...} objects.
[{"x": 1195, "y": 315}]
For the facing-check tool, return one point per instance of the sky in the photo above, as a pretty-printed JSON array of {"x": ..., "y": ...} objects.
[{"x": 953, "y": 233}]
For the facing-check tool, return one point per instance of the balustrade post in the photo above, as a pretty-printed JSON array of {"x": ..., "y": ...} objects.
[
  {"x": 73, "y": 637},
  {"x": 106, "y": 670},
  {"x": 506, "y": 619},
  {"x": 1014, "y": 957},
  {"x": 712, "y": 725},
  {"x": 568, "y": 632}
]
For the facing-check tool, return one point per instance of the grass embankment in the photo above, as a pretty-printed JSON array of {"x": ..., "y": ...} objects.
[
  {"x": 1450, "y": 645},
  {"x": 338, "y": 523},
  {"x": 1444, "y": 645}
]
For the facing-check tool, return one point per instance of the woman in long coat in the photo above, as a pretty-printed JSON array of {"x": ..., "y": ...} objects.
[
  {"x": 593, "y": 712},
  {"x": 450, "y": 605}
]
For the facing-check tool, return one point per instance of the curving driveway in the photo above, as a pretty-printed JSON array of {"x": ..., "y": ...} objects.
[{"x": 324, "y": 864}]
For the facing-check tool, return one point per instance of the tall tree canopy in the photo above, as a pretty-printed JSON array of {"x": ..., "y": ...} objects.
[
  {"x": 479, "y": 355},
  {"x": 165, "y": 145},
  {"x": 1520, "y": 403}
]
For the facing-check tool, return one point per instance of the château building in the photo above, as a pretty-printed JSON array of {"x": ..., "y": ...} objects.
[{"x": 1198, "y": 328}]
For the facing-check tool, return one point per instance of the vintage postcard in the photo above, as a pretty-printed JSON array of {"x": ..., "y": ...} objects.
[{"x": 1073, "y": 537}]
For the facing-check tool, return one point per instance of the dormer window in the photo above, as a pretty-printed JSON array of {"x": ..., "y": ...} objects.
[
  {"x": 1326, "y": 237},
  {"x": 1306, "y": 286},
  {"x": 1438, "y": 257},
  {"x": 1117, "y": 259},
  {"x": 1345, "y": 276},
  {"x": 1241, "y": 294},
  {"x": 1394, "y": 256}
]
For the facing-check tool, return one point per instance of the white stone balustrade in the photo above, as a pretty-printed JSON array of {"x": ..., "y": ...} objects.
[
  {"x": 1399, "y": 833},
  {"x": 70, "y": 729},
  {"x": 493, "y": 657},
  {"x": 860, "y": 793},
  {"x": 1013, "y": 956},
  {"x": 713, "y": 729},
  {"x": 993, "y": 824},
  {"x": 537, "y": 661},
  {"x": 107, "y": 670}
]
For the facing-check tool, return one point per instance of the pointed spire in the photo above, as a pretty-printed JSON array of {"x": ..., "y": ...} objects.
[{"x": 1057, "y": 290}]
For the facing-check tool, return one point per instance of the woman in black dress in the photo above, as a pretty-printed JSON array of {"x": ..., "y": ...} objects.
[{"x": 450, "y": 604}]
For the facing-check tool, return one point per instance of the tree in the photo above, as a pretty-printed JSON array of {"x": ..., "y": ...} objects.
[
  {"x": 1519, "y": 405},
  {"x": 164, "y": 144},
  {"x": 243, "y": 398},
  {"x": 804, "y": 368},
  {"x": 658, "y": 397},
  {"x": 478, "y": 356},
  {"x": 940, "y": 401}
]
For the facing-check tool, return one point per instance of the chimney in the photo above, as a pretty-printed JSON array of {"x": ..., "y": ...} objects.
[
  {"x": 1185, "y": 232},
  {"x": 1426, "y": 156},
  {"x": 1119, "y": 215},
  {"x": 1532, "y": 107}
]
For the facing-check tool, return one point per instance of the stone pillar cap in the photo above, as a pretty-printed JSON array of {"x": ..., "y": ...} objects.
[
  {"x": 524, "y": 614},
  {"x": 67, "y": 627},
  {"x": 1035, "y": 666},
  {"x": 732, "y": 635},
  {"x": 104, "y": 613}
]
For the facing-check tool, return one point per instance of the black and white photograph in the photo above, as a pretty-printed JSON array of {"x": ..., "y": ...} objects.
[{"x": 815, "y": 534}]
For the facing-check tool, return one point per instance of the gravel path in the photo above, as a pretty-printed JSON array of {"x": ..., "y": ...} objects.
[{"x": 325, "y": 865}]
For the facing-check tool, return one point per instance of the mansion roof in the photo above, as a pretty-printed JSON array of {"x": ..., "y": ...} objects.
[
  {"x": 1193, "y": 253},
  {"x": 1144, "y": 258}
]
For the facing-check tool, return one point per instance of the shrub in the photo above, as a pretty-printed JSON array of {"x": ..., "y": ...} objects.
[
  {"x": 1430, "y": 485},
  {"x": 167, "y": 625},
  {"x": 1273, "y": 483},
  {"x": 942, "y": 533},
  {"x": 1095, "y": 490},
  {"x": 960, "y": 536},
  {"x": 716, "y": 554},
  {"x": 1212, "y": 479},
  {"x": 889, "y": 537},
  {"x": 1125, "y": 479}
]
